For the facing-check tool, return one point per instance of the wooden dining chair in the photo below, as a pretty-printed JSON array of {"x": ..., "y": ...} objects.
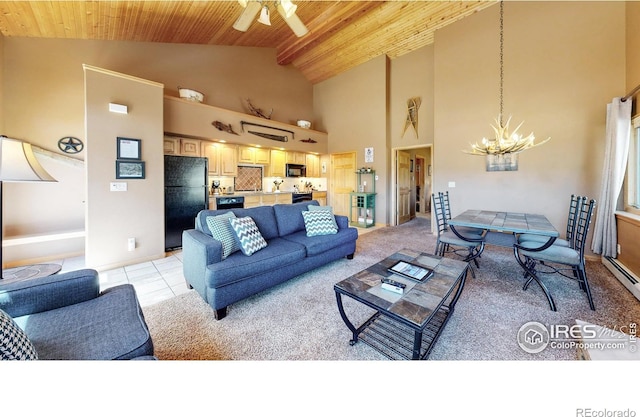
[
  {"x": 561, "y": 259},
  {"x": 448, "y": 242},
  {"x": 568, "y": 241}
]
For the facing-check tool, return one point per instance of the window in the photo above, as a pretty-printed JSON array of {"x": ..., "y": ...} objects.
[{"x": 632, "y": 180}]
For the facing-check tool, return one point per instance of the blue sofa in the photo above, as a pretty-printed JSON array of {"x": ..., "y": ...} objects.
[
  {"x": 289, "y": 253},
  {"x": 65, "y": 316}
]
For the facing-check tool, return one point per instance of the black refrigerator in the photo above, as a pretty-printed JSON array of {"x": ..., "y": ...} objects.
[{"x": 185, "y": 194}]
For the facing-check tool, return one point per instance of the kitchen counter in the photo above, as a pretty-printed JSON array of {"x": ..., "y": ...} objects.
[{"x": 248, "y": 193}]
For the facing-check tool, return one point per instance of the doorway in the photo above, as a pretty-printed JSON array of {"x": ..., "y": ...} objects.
[
  {"x": 342, "y": 182},
  {"x": 412, "y": 182}
]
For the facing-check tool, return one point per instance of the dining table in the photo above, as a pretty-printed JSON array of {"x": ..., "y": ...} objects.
[{"x": 502, "y": 229}]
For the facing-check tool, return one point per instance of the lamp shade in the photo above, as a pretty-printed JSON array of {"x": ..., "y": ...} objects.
[{"x": 19, "y": 164}]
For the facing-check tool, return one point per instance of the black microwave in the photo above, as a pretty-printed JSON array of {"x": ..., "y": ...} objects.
[{"x": 296, "y": 170}]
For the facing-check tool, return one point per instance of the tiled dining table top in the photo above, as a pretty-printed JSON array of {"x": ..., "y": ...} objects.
[{"x": 506, "y": 222}]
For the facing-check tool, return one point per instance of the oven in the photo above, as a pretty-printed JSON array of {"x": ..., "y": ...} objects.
[
  {"x": 298, "y": 197},
  {"x": 223, "y": 203}
]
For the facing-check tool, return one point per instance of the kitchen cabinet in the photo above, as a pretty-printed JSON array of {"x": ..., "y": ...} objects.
[
  {"x": 320, "y": 197},
  {"x": 189, "y": 147},
  {"x": 267, "y": 199},
  {"x": 223, "y": 159},
  {"x": 296, "y": 158},
  {"x": 252, "y": 155},
  {"x": 313, "y": 165},
  {"x": 171, "y": 146},
  {"x": 277, "y": 163},
  {"x": 181, "y": 146}
]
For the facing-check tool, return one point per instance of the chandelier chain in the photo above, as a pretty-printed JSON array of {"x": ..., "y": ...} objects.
[{"x": 501, "y": 61}]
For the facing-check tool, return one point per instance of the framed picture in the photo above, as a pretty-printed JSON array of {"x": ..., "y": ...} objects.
[
  {"x": 130, "y": 170},
  {"x": 129, "y": 148}
]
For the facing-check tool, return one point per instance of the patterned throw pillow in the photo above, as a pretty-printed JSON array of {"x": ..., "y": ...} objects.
[
  {"x": 319, "y": 223},
  {"x": 324, "y": 208},
  {"x": 14, "y": 343},
  {"x": 221, "y": 230},
  {"x": 248, "y": 235}
]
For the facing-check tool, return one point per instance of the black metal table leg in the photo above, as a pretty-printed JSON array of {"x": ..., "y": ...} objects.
[{"x": 350, "y": 326}]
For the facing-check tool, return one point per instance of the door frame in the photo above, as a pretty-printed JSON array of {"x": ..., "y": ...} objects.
[{"x": 394, "y": 184}]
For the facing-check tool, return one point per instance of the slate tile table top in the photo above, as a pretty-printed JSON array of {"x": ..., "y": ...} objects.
[{"x": 404, "y": 326}]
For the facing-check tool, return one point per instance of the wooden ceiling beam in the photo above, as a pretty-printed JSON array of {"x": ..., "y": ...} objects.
[{"x": 322, "y": 27}]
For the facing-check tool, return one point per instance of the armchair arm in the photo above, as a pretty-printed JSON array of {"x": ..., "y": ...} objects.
[
  {"x": 32, "y": 296},
  {"x": 342, "y": 221},
  {"x": 198, "y": 251}
]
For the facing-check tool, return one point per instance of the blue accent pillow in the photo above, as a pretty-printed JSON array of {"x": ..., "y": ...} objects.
[
  {"x": 324, "y": 208},
  {"x": 319, "y": 223},
  {"x": 14, "y": 343},
  {"x": 247, "y": 235},
  {"x": 221, "y": 230}
]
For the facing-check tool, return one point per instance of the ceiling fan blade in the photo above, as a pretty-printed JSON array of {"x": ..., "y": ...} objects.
[
  {"x": 247, "y": 17},
  {"x": 294, "y": 22}
]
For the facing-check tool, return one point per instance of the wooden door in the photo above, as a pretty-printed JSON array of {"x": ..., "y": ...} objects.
[
  {"x": 342, "y": 182},
  {"x": 403, "y": 186}
]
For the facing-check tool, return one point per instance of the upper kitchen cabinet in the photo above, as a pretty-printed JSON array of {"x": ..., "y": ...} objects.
[
  {"x": 253, "y": 155},
  {"x": 197, "y": 120},
  {"x": 296, "y": 158},
  {"x": 277, "y": 165},
  {"x": 181, "y": 146},
  {"x": 223, "y": 159},
  {"x": 313, "y": 165}
]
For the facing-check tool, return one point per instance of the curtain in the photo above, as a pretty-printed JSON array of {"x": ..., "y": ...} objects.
[{"x": 618, "y": 135}]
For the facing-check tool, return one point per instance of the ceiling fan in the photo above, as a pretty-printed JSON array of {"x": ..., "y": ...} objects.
[{"x": 285, "y": 8}]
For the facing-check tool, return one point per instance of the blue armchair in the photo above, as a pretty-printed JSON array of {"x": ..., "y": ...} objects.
[{"x": 65, "y": 316}]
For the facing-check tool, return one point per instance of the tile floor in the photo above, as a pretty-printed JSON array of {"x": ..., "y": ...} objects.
[{"x": 154, "y": 281}]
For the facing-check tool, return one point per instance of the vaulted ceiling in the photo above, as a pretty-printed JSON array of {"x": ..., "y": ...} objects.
[{"x": 342, "y": 34}]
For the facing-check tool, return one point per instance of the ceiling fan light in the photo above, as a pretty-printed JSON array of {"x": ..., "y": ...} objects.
[
  {"x": 293, "y": 22},
  {"x": 243, "y": 3},
  {"x": 288, "y": 7},
  {"x": 264, "y": 16},
  {"x": 247, "y": 17}
]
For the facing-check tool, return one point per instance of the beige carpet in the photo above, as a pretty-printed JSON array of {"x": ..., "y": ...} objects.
[{"x": 299, "y": 319}]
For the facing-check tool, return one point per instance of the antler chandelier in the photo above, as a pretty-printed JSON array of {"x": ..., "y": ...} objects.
[{"x": 504, "y": 142}]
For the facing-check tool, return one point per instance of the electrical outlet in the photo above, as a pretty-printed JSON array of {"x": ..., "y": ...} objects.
[
  {"x": 452, "y": 184},
  {"x": 131, "y": 244}
]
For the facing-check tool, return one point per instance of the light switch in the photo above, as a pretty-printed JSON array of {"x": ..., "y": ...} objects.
[
  {"x": 118, "y": 186},
  {"x": 452, "y": 184}
]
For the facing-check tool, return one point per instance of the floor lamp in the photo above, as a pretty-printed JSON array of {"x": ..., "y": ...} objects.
[{"x": 18, "y": 164}]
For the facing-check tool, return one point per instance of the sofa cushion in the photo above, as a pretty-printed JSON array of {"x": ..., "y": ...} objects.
[
  {"x": 247, "y": 235},
  {"x": 325, "y": 208},
  {"x": 289, "y": 216},
  {"x": 221, "y": 230},
  {"x": 14, "y": 343},
  {"x": 319, "y": 223},
  {"x": 319, "y": 244},
  {"x": 278, "y": 254},
  {"x": 110, "y": 326}
]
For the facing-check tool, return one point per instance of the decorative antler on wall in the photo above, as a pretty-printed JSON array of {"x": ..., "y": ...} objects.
[{"x": 258, "y": 112}]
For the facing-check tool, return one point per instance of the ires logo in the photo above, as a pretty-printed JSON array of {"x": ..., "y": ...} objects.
[{"x": 534, "y": 337}]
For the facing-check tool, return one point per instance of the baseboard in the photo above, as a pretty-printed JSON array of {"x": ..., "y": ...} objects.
[{"x": 623, "y": 274}]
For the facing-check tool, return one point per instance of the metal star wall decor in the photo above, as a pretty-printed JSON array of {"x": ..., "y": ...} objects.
[{"x": 70, "y": 144}]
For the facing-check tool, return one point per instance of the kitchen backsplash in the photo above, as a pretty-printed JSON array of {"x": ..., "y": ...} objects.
[
  {"x": 249, "y": 179},
  {"x": 268, "y": 186}
]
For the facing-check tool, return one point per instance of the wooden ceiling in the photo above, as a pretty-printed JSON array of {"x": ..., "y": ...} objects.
[{"x": 342, "y": 34}]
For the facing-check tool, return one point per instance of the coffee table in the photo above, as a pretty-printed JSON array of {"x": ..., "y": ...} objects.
[{"x": 404, "y": 326}]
